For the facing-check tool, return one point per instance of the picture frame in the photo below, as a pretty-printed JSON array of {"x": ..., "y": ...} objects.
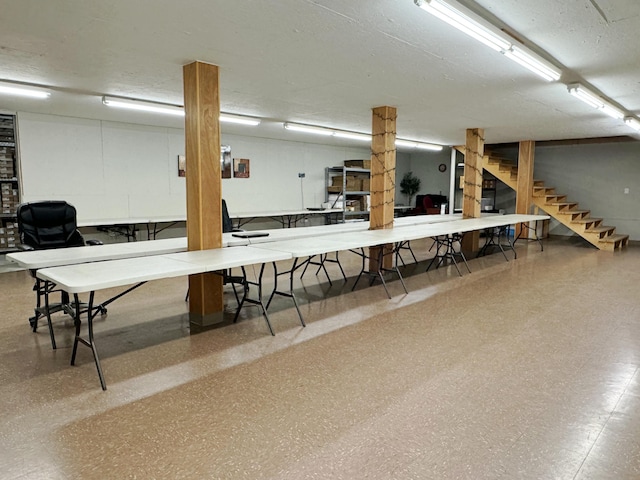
[{"x": 241, "y": 168}]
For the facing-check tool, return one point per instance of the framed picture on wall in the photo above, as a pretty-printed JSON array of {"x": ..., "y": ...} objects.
[
  {"x": 225, "y": 161},
  {"x": 241, "y": 167},
  {"x": 182, "y": 166}
]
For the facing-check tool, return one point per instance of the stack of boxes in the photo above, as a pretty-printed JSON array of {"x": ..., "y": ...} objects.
[
  {"x": 8, "y": 235},
  {"x": 8, "y": 198},
  {"x": 6, "y": 163}
]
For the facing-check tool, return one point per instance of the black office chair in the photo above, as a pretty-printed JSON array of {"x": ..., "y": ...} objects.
[{"x": 42, "y": 226}]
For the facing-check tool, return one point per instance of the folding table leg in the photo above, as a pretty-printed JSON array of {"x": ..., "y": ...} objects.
[
  {"x": 88, "y": 342},
  {"x": 290, "y": 293},
  {"x": 257, "y": 302},
  {"x": 47, "y": 289}
]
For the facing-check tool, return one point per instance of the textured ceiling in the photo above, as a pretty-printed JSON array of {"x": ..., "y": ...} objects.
[{"x": 328, "y": 62}]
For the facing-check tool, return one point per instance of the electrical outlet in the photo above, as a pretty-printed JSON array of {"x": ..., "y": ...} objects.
[{"x": 626, "y": 191}]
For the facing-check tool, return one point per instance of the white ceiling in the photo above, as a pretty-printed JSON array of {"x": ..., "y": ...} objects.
[{"x": 328, "y": 62}]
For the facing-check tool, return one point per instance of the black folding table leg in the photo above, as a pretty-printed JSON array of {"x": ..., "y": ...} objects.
[
  {"x": 47, "y": 288},
  {"x": 90, "y": 342}
]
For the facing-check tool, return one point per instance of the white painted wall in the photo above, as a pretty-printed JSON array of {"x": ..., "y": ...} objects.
[{"x": 119, "y": 171}]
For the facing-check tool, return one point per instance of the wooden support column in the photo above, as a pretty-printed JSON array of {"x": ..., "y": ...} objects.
[
  {"x": 383, "y": 177},
  {"x": 204, "y": 189},
  {"x": 472, "y": 188},
  {"x": 524, "y": 190}
]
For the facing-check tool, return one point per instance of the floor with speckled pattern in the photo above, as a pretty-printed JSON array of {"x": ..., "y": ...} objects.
[{"x": 525, "y": 369}]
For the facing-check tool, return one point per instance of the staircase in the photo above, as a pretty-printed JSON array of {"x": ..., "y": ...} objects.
[{"x": 557, "y": 206}]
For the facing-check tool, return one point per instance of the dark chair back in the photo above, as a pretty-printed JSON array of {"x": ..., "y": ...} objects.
[
  {"x": 227, "y": 224},
  {"x": 48, "y": 224}
]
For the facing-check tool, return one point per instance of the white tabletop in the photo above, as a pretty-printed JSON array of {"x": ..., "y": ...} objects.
[
  {"x": 369, "y": 238},
  {"x": 34, "y": 259},
  {"x": 223, "y": 258},
  {"x": 86, "y": 277},
  {"x": 284, "y": 213},
  {"x": 309, "y": 247}
]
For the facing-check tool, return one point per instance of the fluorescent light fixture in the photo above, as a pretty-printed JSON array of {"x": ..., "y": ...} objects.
[
  {"x": 612, "y": 111},
  {"x": 585, "y": 95},
  {"x": 632, "y": 122},
  {"x": 477, "y": 27},
  {"x": 533, "y": 62},
  {"x": 239, "y": 119},
  {"x": 405, "y": 143},
  {"x": 352, "y": 136},
  {"x": 327, "y": 132},
  {"x": 466, "y": 21},
  {"x": 296, "y": 127},
  {"x": 590, "y": 98},
  {"x": 177, "y": 110},
  {"x": 420, "y": 145},
  {"x": 143, "y": 106},
  {"x": 428, "y": 146},
  {"x": 23, "y": 91}
]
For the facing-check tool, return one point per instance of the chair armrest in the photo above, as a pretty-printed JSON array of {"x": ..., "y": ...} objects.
[{"x": 94, "y": 242}]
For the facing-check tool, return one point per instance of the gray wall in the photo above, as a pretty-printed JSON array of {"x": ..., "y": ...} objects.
[
  {"x": 424, "y": 165},
  {"x": 595, "y": 176}
]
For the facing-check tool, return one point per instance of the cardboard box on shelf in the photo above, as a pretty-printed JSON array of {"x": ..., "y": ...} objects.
[
  {"x": 366, "y": 184},
  {"x": 354, "y": 184},
  {"x": 358, "y": 163}
]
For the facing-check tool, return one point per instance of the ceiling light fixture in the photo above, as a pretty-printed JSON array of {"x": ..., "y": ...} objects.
[
  {"x": 594, "y": 100},
  {"x": 466, "y": 21},
  {"x": 164, "y": 108},
  {"x": 485, "y": 32},
  {"x": 296, "y": 127},
  {"x": 143, "y": 106},
  {"x": 632, "y": 122},
  {"x": 23, "y": 90},
  {"x": 239, "y": 119},
  {"x": 534, "y": 63},
  {"x": 419, "y": 145},
  {"x": 327, "y": 132}
]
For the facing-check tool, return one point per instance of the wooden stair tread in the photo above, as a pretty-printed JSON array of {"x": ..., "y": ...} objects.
[
  {"x": 558, "y": 204},
  {"x": 573, "y": 212},
  {"x": 586, "y": 220},
  {"x": 614, "y": 238},
  {"x": 599, "y": 229}
]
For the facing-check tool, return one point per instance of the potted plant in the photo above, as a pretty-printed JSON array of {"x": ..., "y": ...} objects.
[{"x": 409, "y": 186}]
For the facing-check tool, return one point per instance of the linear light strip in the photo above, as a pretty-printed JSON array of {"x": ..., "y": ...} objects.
[
  {"x": 177, "y": 110},
  {"x": 477, "y": 27},
  {"x": 594, "y": 100},
  {"x": 534, "y": 63},
  {"x": 632, "y": 122},
  {"x": 297, "y": 127},
  {"x": 466, "y": 21},
  {"x": 23, "y": 91}
]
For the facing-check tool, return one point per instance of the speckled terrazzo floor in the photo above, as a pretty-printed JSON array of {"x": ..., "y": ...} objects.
[{"x": 525, "y": 369}]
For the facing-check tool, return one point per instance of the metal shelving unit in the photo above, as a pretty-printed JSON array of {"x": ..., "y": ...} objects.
[
  {"x": 352, "y": 194},
  {"x": 9, "y": 185}
]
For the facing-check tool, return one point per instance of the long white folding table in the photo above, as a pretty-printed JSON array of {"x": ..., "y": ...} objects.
[
  {"x": 357, "y": 241},
  {"x": 91, "y": 277},
  {"x": 287, "y": 218}
]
